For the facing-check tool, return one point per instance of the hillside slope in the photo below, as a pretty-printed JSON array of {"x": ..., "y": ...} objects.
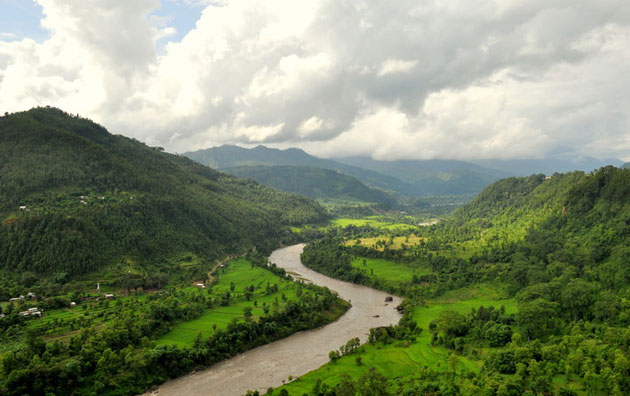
[
  {"x": 76, "y": 199},
  {"x": 569, "y": 225},
  {"x": 315, "y": 183}
]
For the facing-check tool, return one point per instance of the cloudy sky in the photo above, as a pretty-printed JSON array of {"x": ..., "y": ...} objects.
[{"x": 461, "y": 79}]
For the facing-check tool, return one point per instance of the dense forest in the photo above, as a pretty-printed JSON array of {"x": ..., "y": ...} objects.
[
  {"x": 75, "y": 199},
  {"x": 560, "y": 247}
]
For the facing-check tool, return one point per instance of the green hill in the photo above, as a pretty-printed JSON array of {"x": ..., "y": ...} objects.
[
  {"x": 76, "y": 199},
  {"x": 315, "y": 183},
  {"x": 570, "y": 225},
  {"x": 626, "y": 165}
]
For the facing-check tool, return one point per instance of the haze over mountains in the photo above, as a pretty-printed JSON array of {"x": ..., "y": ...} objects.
[{"x": 404, "y": 177}]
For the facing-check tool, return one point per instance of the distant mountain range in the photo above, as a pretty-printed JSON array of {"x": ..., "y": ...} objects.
[
  {"x": 313, "y": 182},
  {"x": 404, "y": 177},
  {"x": 548, "y": 166}
]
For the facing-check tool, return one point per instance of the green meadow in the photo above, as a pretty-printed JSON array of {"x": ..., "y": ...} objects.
[
  {"x": 234, "y": 278},
  {"x": 61, "y": 323},
  {"x": 399, "y": 360},
  {"x": 396, "y": 242},
  {"x": 387, "y": 270},
  {"x": 372, "y": 221}
]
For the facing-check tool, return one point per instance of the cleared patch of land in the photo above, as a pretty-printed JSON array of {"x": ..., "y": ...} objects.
[
  {"x": 372, "y": 221},
  {"x": 239, "y": 278},
  {"x": 392, "y": 242},
  {"x": 387, "y": 270}
]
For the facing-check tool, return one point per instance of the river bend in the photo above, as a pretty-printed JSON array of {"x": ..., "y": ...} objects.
[{"x": 298, "y": 354}]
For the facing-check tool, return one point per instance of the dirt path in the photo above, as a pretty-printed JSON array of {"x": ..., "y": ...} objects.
[{"x": 298, "y": 354}]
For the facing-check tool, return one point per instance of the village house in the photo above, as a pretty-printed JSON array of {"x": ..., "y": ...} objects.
[{"x": 31, "y": 312}]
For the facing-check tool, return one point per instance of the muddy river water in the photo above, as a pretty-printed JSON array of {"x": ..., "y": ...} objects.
[{"x": 298, "y": 354}]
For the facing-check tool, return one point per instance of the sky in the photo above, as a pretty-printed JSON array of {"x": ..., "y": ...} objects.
[{"x": 404, "y": 79}]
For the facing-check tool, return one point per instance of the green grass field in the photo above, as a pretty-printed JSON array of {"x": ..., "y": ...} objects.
[
  {"x": 373, "y": 222},
  {"x": 241, "y": 275},
  {"x": 97, "y": 313},
  {"x": 397, "y": 360},
  {"x": 397, "y": 242},
  {"x": 387, "y": 270}
]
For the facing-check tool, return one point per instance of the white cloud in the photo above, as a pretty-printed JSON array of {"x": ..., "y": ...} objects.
[
  {"x": 258, "y": 133},
  {"x": 393, "y": 66},
  {"x": 310, "y": 126},
  {"x": 457, "y": 79}
]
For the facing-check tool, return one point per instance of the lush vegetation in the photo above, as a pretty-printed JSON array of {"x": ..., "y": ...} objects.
[
  {"x": 123, "y": 346},
  {"x": 523, "y": 291},
  {"x": 75, "y": 199},
  {"x": 243, "y": 291},
  {"x": 554, "y": 249}
]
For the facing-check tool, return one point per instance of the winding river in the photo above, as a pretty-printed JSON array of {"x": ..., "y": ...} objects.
[{"x": 298, "y": 354}]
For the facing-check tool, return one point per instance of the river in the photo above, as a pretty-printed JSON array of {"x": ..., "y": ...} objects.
[{"x": 268, "y": 365}]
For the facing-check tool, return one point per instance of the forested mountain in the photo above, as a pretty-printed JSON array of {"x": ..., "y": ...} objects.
[
  {"x": 569, "y": 226},
  {"x": 228, "y": 156},
  {"x": 626, "y": 165},
  {"x": 313, "y": 182},
  {"x": 74, "y": 199}
]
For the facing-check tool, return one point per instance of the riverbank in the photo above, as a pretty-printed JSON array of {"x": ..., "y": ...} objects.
[{"x": 271, "y": 365}]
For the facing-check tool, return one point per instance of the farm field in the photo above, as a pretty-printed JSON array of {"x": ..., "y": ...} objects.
[
  {"x": 235, "y": 278},
  {"x": 396, "y": 242},
  {"x": 59, "y": 324},
  {"x": 372, "y": 221},
  {"x": 397, "y": 360},
  {"x": 387, "y": 270}
]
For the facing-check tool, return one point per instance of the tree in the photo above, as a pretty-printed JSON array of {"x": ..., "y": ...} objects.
[
  {"x": 373, "y": 383},
  {"x": 537, "y": 318}
]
